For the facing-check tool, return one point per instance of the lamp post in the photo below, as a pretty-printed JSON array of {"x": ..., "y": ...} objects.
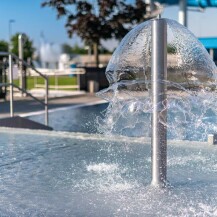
[{"x": 10, "y": 32}]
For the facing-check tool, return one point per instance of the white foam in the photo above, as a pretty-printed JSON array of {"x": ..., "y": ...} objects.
[{"x": 102, "y": 167}]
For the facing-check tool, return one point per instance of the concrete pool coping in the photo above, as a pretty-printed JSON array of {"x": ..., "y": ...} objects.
[{"x": 101, "y": 137}]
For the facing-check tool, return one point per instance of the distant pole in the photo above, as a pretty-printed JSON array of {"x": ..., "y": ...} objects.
[
  {"x": 151, "y": 6},
  {"x": 11, "y": 86},
  {"x": 20, "y": 46},
  {"x": 183, "y": 12},
  {"x": 21, "y": 42},
  {"x": 10, "y": 33},
  {"x": 159, "y": 115},
  {"x": 211, "y": 52}
]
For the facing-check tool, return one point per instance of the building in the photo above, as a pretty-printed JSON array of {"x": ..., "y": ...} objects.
[{"x": 210, "y": 43}]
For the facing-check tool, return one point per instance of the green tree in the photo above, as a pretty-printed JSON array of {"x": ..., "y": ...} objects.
[
  {"x": 102, "y": 20},
  {"x": 171, "y": 49},
  {"x": 104, "y": 50},
  {"x": 28, "y": 49},
  {"x": 73, "y": 49},
  {"x": 76, "y": 49},
  {"x": 3, "y": 46}
]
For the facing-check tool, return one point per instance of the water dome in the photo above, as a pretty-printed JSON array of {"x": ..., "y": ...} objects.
[
  {"x": 191, "y": 85},
  {"x": 189, "y": 64}
]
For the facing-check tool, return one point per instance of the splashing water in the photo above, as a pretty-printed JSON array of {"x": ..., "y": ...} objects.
[{"x": 191, "y": 86}]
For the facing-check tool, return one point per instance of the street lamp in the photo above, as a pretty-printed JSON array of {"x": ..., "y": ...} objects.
[{"x": 10, "y": 32}]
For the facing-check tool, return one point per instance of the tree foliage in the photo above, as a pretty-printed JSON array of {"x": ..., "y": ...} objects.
[
  {"x": 28, "y": 49},
  {"x": 3, "y": 46},
  {"x": 76, "y": 49},
  {"x": 171, "y": 49},
  {"x": 73, "y": 50},
  {"x": 105, "y": 19}
]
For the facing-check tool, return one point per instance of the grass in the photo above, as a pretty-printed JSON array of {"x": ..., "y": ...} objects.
[{"x": 62, "y": 80}]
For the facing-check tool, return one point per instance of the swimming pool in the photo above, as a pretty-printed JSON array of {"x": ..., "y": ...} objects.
[
  {"x": 76, "y": 174},
  {"x": 187, "y": 121},
  {"x": 83, "y": 174},
  {"x": 80, "y": 118}
]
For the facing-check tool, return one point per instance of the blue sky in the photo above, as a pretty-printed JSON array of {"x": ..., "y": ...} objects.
[{"x": 32, "y": 19}]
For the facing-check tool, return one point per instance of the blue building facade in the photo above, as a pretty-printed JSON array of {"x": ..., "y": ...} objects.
[
  {"x": 192, "y": 3},
  {"x": 210, "y": 43}
]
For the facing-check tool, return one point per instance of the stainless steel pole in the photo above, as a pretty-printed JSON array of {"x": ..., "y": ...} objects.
[
  {"x": 11, "y": 86},
  {"x": 46, "y": 102},
  {"x": 183, "y": 12},
  {"x": 211, "y": 53},
  {"x": 159, "y": 131},
  {"x": 20, "y": 46}
]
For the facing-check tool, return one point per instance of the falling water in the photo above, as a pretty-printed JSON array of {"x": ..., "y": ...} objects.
[
  {"x": 191, "y": 84},
  {"x": 49, "y": 54}
]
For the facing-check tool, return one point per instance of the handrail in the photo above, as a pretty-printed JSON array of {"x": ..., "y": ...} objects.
[
  {"x": 23, "y": 62},
  {"x": 27, "y": 93},
  {"x": 11, "y": 84}
]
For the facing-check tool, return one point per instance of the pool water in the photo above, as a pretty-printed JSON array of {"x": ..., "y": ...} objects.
[
  {"x": 78, "y": 119},
  {"x": 77, "y": 174},
  {"x": 188, "y": 118}
]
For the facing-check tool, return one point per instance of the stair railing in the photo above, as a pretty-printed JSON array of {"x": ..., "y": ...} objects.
[{"x": 11, "y": 84}]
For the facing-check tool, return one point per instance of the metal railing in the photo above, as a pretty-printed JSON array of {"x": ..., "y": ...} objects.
[
  {"x": 12, "y": 85},
  {"x": 56, "y": 73}
]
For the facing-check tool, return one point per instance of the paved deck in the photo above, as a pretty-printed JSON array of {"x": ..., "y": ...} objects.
[{"x": 25, "y": 104}]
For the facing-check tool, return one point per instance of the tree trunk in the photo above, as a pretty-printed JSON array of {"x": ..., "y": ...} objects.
[{"x": 96, "y": 53}]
